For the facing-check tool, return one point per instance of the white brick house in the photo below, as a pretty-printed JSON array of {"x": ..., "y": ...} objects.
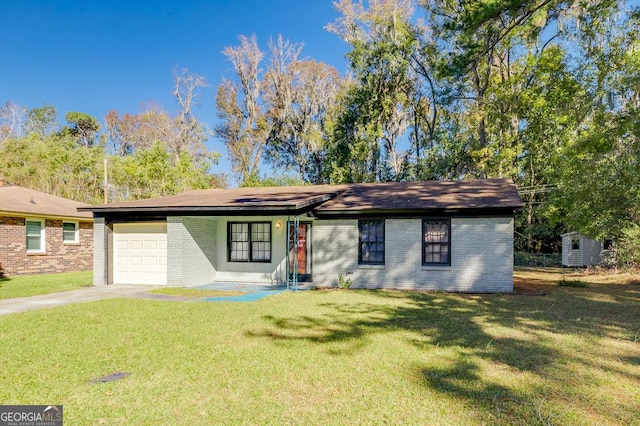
[{"x": 452, "y": 236}]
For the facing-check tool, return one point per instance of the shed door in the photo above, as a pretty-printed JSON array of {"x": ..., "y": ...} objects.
[{"x": 140, "y": 253}]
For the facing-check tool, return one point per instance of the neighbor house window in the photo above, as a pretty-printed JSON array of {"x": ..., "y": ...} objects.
[
  {"x": 249, "y": 241},
  {"x": 70, "y": 232},
  {"x": 371, "y": 241},
  {"x": 436, "y": 245},
  {"x": 35, "y": 235}
]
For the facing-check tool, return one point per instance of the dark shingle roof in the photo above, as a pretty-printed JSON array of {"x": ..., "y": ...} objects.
[
  {"x": 428, "y": 195},
  {"x": 269, "y": 198},
  {"x": 24, "y": 201},
  {"x": 335, "y": 199}
]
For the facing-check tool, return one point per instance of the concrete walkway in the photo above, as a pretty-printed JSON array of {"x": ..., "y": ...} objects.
[{"x": 88, "y": 294}]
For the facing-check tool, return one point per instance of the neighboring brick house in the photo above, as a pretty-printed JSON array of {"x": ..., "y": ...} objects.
[
  {"x": 42, "y": 233},
  {"x": 452, "y": 236}
]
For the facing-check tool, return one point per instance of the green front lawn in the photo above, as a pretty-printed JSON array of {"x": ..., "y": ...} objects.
[
  {"x": 571, "y": 357},
  {"x": 194, "y": 292},
  {"x": 33, "y": 285}
]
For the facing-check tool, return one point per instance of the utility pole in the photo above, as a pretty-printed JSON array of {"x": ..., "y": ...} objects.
[{"x": 106, "y": 183}]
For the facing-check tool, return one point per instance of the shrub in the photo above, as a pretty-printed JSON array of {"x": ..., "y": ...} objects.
[
  {"x": 564, "y": 282},
  {"x": 628, "y": 247},
  {"x": 522, "y": 258},
  {"x": 343, "y": 283}
]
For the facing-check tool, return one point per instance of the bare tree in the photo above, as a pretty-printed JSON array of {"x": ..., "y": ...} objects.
[
  {"x": 241, "y": 108},
  {"x": 11, "y": 117},
  {"x": 129, "y": 132},
  {"x": 182, "y": 132},
  {"x": 190, "y": 133}
]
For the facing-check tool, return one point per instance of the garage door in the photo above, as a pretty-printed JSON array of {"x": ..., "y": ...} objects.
[{"x": 140, "y": 253}]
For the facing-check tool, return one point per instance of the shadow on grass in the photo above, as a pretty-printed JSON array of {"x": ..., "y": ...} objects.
[{"x": 516, "y": 333}]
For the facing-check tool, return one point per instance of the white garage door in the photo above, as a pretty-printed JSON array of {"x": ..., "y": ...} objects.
[{"x": 140, "y": 253}]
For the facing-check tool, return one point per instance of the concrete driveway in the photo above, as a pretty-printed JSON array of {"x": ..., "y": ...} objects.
[{"x": 88, "y": 294}]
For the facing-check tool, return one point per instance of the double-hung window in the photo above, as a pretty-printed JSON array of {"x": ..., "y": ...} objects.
[
  {"x": 260, "y": 242},
  {"x": 35, "y": 235},
  {"x": 70, "y": 233},
  {"x": 371, "y": 242},
  {"x": 436, "y": 242},
  {"x": 249, "y": 241}
]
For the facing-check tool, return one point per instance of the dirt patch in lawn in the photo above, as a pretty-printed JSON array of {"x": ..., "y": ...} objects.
[{"x": 545, "y": 280}]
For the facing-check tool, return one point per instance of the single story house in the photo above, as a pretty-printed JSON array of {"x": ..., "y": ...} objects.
[
  {"x": 41, "y": 233},
  {"x": 579, "y": 250},
  {"x": 436, "y": 235}
]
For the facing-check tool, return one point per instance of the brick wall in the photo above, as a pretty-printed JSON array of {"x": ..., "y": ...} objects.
[
  {"x": 481, "y": 256},
  {"x": 58, "y": 257}
]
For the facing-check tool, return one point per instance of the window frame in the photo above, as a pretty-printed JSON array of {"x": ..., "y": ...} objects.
[
  {"x": 425, "y": 223},
  {"x": 361, "y": 261},
  {"x": 43, "y": 234},
  {"x": 251, "y": 258},
  {"x": 575, "y": 243},
  {"x": 76, "y": 232},
  {"x": 252, "y": 241}
]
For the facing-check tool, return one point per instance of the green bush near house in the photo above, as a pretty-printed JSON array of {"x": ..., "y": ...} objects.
[
  {"x": 33, "y": 285},
  {"x": 343, "y": 282}
]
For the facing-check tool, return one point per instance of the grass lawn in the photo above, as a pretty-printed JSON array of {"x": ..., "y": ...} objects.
[
  {"x": 571, "y": 357},
  {"x": 194, "y": 292},
  {"x": 33, "y": 285}
]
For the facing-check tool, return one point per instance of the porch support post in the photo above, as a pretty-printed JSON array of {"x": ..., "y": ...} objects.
[
  {"x": 288, "y": 245},
  {"x": 296, "y": 225}
]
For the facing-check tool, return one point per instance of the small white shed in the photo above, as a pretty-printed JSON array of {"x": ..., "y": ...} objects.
[{"x": 578, "y": 250}]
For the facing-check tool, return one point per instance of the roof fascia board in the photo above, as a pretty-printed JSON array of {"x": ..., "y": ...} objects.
[
  {"x": 408, "y": 214},
  {"x": 45, "y": 216}
]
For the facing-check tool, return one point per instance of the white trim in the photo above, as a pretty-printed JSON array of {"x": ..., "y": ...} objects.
[
  {"x": 569, "y": 233},
  {"x": 76, "y": 234},
  {"x": 370, "y": 266},
  {"x": 43, "y": 241},
  {"x": 446, "y": 268},
  {"x": 7, "y": 213}
]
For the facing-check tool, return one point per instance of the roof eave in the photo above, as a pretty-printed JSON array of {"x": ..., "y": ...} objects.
[
  {"x": 9, "y": 213},
  {"x": 457, "y": 211}
]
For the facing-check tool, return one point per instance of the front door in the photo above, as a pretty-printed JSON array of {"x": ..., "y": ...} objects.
[{"x": 300, "y": 251}]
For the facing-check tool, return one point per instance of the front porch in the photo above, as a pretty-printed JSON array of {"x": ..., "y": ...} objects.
[{"x": 252, "y": 252}]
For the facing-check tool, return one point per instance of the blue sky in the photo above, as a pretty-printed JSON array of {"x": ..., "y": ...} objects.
[{"x": 96, "y": 55}]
